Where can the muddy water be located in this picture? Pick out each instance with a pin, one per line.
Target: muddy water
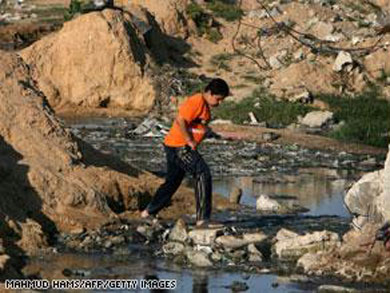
(313, 179)
(132, 267)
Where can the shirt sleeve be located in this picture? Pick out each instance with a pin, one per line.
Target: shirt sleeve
(191, 109)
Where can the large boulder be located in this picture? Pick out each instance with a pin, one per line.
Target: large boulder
(97, 60)
(291, 246)
(369, 198)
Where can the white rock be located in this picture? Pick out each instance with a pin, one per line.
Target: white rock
(317, 118)
(179, 232)
(355, 41)
(254, 254)
(221, 121)
(285, 234)
(264, 203)
(334, 38)
(199, 258)
(234, 242)
(275, 63)
(297, 246)
(253, 119)
(204, 236)
(303, 97)
(343, 58)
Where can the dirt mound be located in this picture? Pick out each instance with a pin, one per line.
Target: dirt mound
(47, 181)
(95, 61)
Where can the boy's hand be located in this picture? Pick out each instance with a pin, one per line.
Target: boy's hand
(192, 144)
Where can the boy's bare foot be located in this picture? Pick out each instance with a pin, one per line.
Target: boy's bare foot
(208, 224)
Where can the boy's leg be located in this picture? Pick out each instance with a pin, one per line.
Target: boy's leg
(191, 161)
(203, 191)
(174, 177)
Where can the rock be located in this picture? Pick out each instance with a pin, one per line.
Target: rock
(198, 258)
(113, 75)
(233, 242)
(235, 195)
(308, 261)
(343, 59)
(269, 136)
(335, 289)
(254, 254)
(312, 242)
(238, 286)
(253, 119)
(284, 234)
(334, 38)
(179, 232)
(299, 55)
(275, 62)
(321, 30)
(221, 121)
(355, 41)
(303, 97)
(317, 118)
(364, 199)
(173, 248)
(264, 203)
(204, 236)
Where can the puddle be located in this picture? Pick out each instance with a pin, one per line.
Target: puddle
(311, 189)
(106, 267)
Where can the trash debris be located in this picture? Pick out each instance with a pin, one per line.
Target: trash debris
(150, 127)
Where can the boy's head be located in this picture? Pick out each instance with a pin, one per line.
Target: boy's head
(216, 91)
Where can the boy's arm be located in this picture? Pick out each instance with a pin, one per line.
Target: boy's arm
(184, 130)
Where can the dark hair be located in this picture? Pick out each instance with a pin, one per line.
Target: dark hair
(218, 86)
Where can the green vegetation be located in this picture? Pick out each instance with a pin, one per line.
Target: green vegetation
(220, 61)
(74, 8)
(225, 9)
(265, 107)
(383, 78)
(204, 22)
(366, 118)
(214, 35)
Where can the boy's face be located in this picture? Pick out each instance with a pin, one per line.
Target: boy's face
(213, 100)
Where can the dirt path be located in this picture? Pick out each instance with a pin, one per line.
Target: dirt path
(293, 137)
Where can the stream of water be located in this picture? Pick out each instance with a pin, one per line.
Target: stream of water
(317, 187)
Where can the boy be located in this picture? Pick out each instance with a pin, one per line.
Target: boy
(187, 131)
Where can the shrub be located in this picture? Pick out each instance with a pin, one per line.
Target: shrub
(74, 8)
(225, 10)
(265, 107)
(367, 118)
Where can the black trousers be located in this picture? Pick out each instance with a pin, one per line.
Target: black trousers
(182, 160)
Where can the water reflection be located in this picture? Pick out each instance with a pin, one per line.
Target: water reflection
(320, 190)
